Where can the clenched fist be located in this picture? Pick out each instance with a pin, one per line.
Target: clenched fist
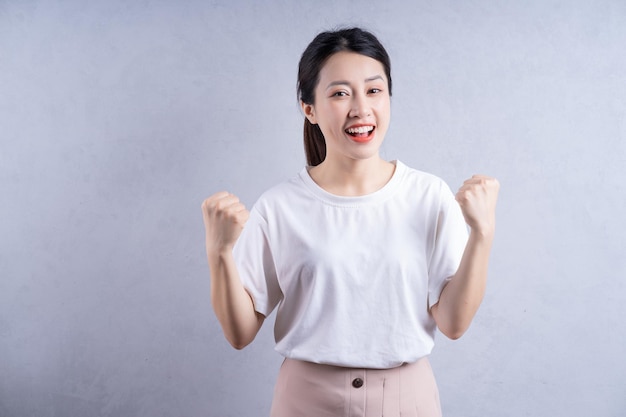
(224, 218)
(477, 198)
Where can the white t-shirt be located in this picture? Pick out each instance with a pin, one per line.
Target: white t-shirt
(353, 277)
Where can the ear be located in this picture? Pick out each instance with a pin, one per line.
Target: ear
(309, 112)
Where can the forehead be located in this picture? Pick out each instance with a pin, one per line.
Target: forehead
(350, 66)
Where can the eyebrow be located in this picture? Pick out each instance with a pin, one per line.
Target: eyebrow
(342, 82)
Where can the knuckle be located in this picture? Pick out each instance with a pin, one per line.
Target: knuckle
(210, 208)
(220, 205)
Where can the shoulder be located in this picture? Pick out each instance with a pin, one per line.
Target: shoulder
(416, 179)
(285, 193)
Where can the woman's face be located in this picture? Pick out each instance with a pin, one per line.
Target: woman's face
(352, 106)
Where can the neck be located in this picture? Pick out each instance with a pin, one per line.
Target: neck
(352, 177)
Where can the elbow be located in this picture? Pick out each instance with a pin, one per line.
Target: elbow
(239, 333)
(453, 329)
(239, 338)
(239, 346)
(238, 342)
(454, 334)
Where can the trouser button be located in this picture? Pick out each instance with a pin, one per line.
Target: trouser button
(357, 382)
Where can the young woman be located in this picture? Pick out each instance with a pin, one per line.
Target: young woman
(364, 258)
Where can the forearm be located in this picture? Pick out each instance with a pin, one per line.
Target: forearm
(462, 296)
(231, 302)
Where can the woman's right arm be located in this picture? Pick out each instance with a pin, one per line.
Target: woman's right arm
(224, 218)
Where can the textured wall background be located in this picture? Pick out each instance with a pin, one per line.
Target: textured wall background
(118, 118)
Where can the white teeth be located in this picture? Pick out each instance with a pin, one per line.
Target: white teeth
(362, 129)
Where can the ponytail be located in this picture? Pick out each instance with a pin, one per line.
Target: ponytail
(314, 144)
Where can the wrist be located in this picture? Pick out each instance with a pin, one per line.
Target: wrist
(483, 234)
(218, 255)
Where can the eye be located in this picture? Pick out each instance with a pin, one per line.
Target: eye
(375, 90)
(340, 94)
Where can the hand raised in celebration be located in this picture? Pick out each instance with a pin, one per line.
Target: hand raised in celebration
(477, 198)
(224, 218)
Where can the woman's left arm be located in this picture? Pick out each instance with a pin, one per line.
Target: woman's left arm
(462, 296)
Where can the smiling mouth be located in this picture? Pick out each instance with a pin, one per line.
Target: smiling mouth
(361, 133)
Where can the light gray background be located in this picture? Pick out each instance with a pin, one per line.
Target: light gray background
(118, 118)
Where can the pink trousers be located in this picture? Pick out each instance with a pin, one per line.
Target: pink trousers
(305, 389)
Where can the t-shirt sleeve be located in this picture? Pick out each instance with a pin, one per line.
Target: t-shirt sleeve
(255, 264)
(450, 239)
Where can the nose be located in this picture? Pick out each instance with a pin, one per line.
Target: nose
(360, 107)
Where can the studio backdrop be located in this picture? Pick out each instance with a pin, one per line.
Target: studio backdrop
(117, 119)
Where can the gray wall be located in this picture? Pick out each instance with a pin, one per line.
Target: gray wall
(118, 118)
